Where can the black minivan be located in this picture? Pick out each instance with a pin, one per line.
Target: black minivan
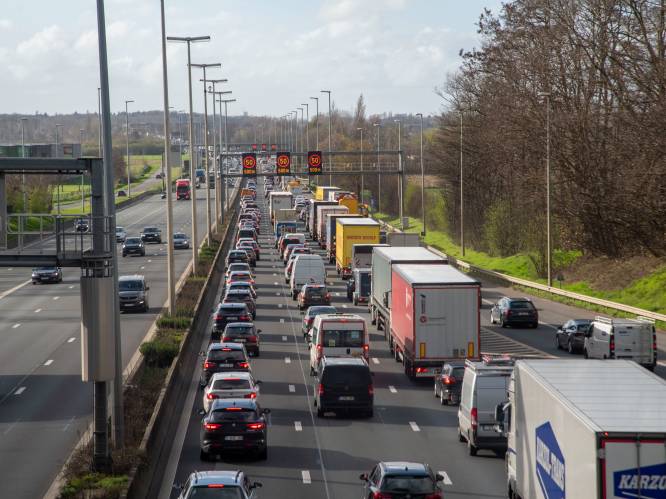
(344, 384)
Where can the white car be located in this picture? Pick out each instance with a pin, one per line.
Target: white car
(121, 235)
(230, 385)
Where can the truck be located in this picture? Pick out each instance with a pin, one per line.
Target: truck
(584, 428)
(352, 231)
(362, 255)
(321, 194)
(350, 201)
(183, 189)
(279, 200)
(284, 214)
(331, 233)
(402, 239)
(321, 221)
(313, 212)
(383, 259)
(284, 227)
(435, 317)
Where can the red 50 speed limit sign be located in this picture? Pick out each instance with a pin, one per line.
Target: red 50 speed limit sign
(314, 162)
(249, 164)
(283, 163)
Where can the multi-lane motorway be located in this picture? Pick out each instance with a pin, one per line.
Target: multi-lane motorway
(44, 405)
(312, 457)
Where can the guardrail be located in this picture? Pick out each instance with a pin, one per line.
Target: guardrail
(542, 287)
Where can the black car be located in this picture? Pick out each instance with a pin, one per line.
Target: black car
(234, 425)
(226, 313)
(344, 384)
(236, 256)
(398, 480)
(223, 357)
(46, 274)
(571, 335)
(514, 312)
(133, 246)
(241, 296)
(151, 235)
(251, 255)
(313, 312)
(313, 294)
(448, 382)
(245, 333)
(81, 225)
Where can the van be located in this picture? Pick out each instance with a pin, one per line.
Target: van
(306, 269)
(344, 384)
(629, 339)
(485, 385)
(338, 335)
(133, 293)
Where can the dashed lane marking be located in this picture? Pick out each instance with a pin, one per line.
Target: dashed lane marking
(56, 297)
(72, 339)
(414, 426)
(306, 477)
(143, 267)
(281, 321)
(445, 478)
(19, 391)
(279, 305)
(298, 426)
(17, 325)
(48, 362)
(38, 310)
(375, 360)
(292, 388)
(71, 287)
(392, 389)
(344, 306)
(287, 360)
(275, 284)
(284, 338)
(277, 294)
(337, 294)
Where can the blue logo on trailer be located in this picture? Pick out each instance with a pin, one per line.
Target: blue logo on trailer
(549, 463)
(648, 482)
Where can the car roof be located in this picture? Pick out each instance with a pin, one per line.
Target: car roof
(345, 361)
(204, 478)
(240, 324)
(220, 346)
(232, 304)
(316, 308)
(517, 299)
(232, 374)
(135, 277)
(404, 468)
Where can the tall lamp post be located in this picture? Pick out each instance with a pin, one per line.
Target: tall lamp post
(307, 125)
(129, 179)
(462, 199)
(195, 243)
(226, 149)
(330, 166)
(362, 176)
(379, 175)
(423, 213)
(216, 164)
(401, 174)
(83, 194)
(547, 95)
(23, 155)
(57, 155)
(316, 99)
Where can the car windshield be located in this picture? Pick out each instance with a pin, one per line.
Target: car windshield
(120, 229)
(522, 305)
(133, 240)
(239, 330)
(130, 285)
(343, 338)
(314, 311)
(231, 310)
(179, 235)
(236, 414)
(48, 269)
(315, 292)
(205, 492)
(150, 229)
(458, 372)
(232, 384)
(226, 355)
(411, 484)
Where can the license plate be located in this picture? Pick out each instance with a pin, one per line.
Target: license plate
(233, 437)
(522, 313)
(346, 398)
(487, 427)
(240, 340)
(226, 365)
(232, 318)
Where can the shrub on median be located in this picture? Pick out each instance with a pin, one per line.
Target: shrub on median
(159, 353)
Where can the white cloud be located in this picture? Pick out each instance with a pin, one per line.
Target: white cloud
(48, 40)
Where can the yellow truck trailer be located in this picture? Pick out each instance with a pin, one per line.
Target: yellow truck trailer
(321, 194)
(351, 231)
(351, 202)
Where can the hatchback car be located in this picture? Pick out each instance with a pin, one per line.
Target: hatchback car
(223, 357)
(402, 480)
(243, 285)
(288, 249)
(218, 485)
(234, 425)
(343, 384)
(313, 312)
(243, 266)
(81, 225)
(121, 235)
(255, 246)
(239, 276)
(514, 312)
(571, 335)
(46, 274)
(245, 333)
(448, 382)
(180, 241)
(151, 235)
(133, 246)
(313, 294)
(230, 385)
(251, 255)
(241, 296)
(228, 312)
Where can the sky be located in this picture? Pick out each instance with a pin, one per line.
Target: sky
(276, 54)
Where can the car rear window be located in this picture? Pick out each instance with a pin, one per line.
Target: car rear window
(343, 338)
(230, 355)
(226, 492)
(232, 384)
(524, 305)
(318, 292)
(234, 415)
(129, 285)
(239, 330)
(411, 484)
(346, 375)
(231, 310)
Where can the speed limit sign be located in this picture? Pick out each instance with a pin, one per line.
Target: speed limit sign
(314, 162)
(283, 163)
(249, 162)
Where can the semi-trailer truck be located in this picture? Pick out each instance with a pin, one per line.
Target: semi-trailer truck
(351, 231)
(313, 214)
(435, 317)
(183, 189)
(322, 192)
(321, 221)
(279, 200)
(331, 233)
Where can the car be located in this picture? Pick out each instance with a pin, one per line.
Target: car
(236, 256)
(226, 313)
(158, 175)
(313, 312)
(230, 385)
(251, 255)
(239, 276)
(133, 246)
(313, 294)
(571, 335)
(514, 312)
(243, 332)
(202, 484)
(133, 293)
(255, 245)
(402, 479)
(243, 285)
(46, 274)
(448, 382)
(343, 384)
(163, 195)
(121, 194)
(234, 425)
(81, 225)
(121, 235)
(151, 235)
(241, 296)
(238, 267)
(223, 357)
(180, 241)
(252, 245)
(243, 233)
(287, 251)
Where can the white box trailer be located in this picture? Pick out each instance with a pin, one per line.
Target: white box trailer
(279, 200)
(321, 220)
(383, 258)
(402, 239)
(585, 429)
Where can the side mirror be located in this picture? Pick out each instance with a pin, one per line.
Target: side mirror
(363, 476)
(147, 288)
(258, 382)
(256, 485)
(202, 354)
(258, 330)
(177, 486)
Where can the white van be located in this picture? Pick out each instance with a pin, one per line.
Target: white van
(485, 385)
(338, 335)
(630, 339)
(306, 269)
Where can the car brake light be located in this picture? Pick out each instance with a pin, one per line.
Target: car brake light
(320, 389)
(251, 395)
(234, 409)
(244, 317)
(366, 351)
(251, 339)
(319, 352)
(448, 380)
(218, 317)
(475, 421)
(371, 390)
(508, 313)
(420, 370)
(227, 349)
(212, 426)
(211, 396)
(226, 338)
(256, 426)
(381, 495)
(244, 365)
(215, 485)
(209, 365)
(436, 495)
(612, 347)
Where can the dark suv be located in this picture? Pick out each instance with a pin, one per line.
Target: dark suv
(223, 357)
(313, 294)
(133, 246)
(448, 382)
(514, 312)
(241, 296)
(344, 384)
(245, 333)
(226, 313)
(402, 479)
(151, 235)
(133, 292)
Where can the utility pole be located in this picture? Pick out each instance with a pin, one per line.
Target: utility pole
(462, 200)
(195, 242)
(423, 213)
(362, 176)
(316, 99)
(99, 114)
(83, 194)
(379, 175)
(216, 166)
(330, 165)
(57, 155)
(129, 179)
(548, 232)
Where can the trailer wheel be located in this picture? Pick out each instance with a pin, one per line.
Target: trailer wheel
(461, 438)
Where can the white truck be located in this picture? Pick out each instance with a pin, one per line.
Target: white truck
(362, 255)
(383, 259)
(629, 339)
(279, 200)
(584, 429)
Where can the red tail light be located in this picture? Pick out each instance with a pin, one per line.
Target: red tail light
(366, 351)
(226, 338)
(508, 313)
(319, 352)
(448, 380)
(212, 426)
(381, 495)
(209, 365)
(320, 389)
(436, 495)
(244, 365)
(612, 347)
(218, 317)
(251, 396)
(244, 318)
(251, 339)
(256, 426)
(475, 420)
(421, 370)
(371, 390)
(211, 396)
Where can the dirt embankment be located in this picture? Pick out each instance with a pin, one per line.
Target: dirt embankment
(607, 274)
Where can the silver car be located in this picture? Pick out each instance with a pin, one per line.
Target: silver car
(121, 235)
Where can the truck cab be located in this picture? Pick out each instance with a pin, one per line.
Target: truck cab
(630, 339)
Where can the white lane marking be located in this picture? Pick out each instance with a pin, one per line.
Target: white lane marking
(414, 426)
(281, 321)
(375, 360)
(71, 287)
(10, 269)
(150, 261)
(337, 294)
(48, 362)
(143, 267)
(306, 477)
(292, 389)
(274, 273)
(284, 338)
(38, 310)
(17, 325)
(344, 306)
(287, 360)
(392, 389)
(487, 302)
(277, 294)
(11, 426)
(275, 284)
(548, 325)
(15, 288)
(446, 480)
(56, 297)
(19, 391)
(279, 305)
(72, 339)
(298, 426)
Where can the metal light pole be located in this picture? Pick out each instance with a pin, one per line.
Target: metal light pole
(307, 126)
(379, 175)
(195, 242)
(362, 176)
(302, 130)
(462, 211)
(226, 158)
(129, 179)
(316, 99)
(99, 114)
(57, 155)
(548, 232)
(330, 166)
(400, 178)
(423, 213)
(216, 165)
(83, 194)
(23, 179)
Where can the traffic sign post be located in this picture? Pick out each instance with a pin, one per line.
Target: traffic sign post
(283, 163)
(263, 147)
(254, 147)
(249, 164)
(314, 162)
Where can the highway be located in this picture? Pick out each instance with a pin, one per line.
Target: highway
(44, 405)
(312, 457)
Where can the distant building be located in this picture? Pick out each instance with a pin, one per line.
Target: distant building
(66, 150)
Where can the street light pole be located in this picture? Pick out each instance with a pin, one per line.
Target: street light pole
(83, 194)
(330, 166)
(23, 179)
(129, 179)
(216, 164)
(195, 243)
(379, 175)
(57, 155)
(548, 229)
(99, 113)
(423, 213)
(362, 176)
(226, 158)
(316, 99)
(462, 211)
(400, 178)
(307, 126)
